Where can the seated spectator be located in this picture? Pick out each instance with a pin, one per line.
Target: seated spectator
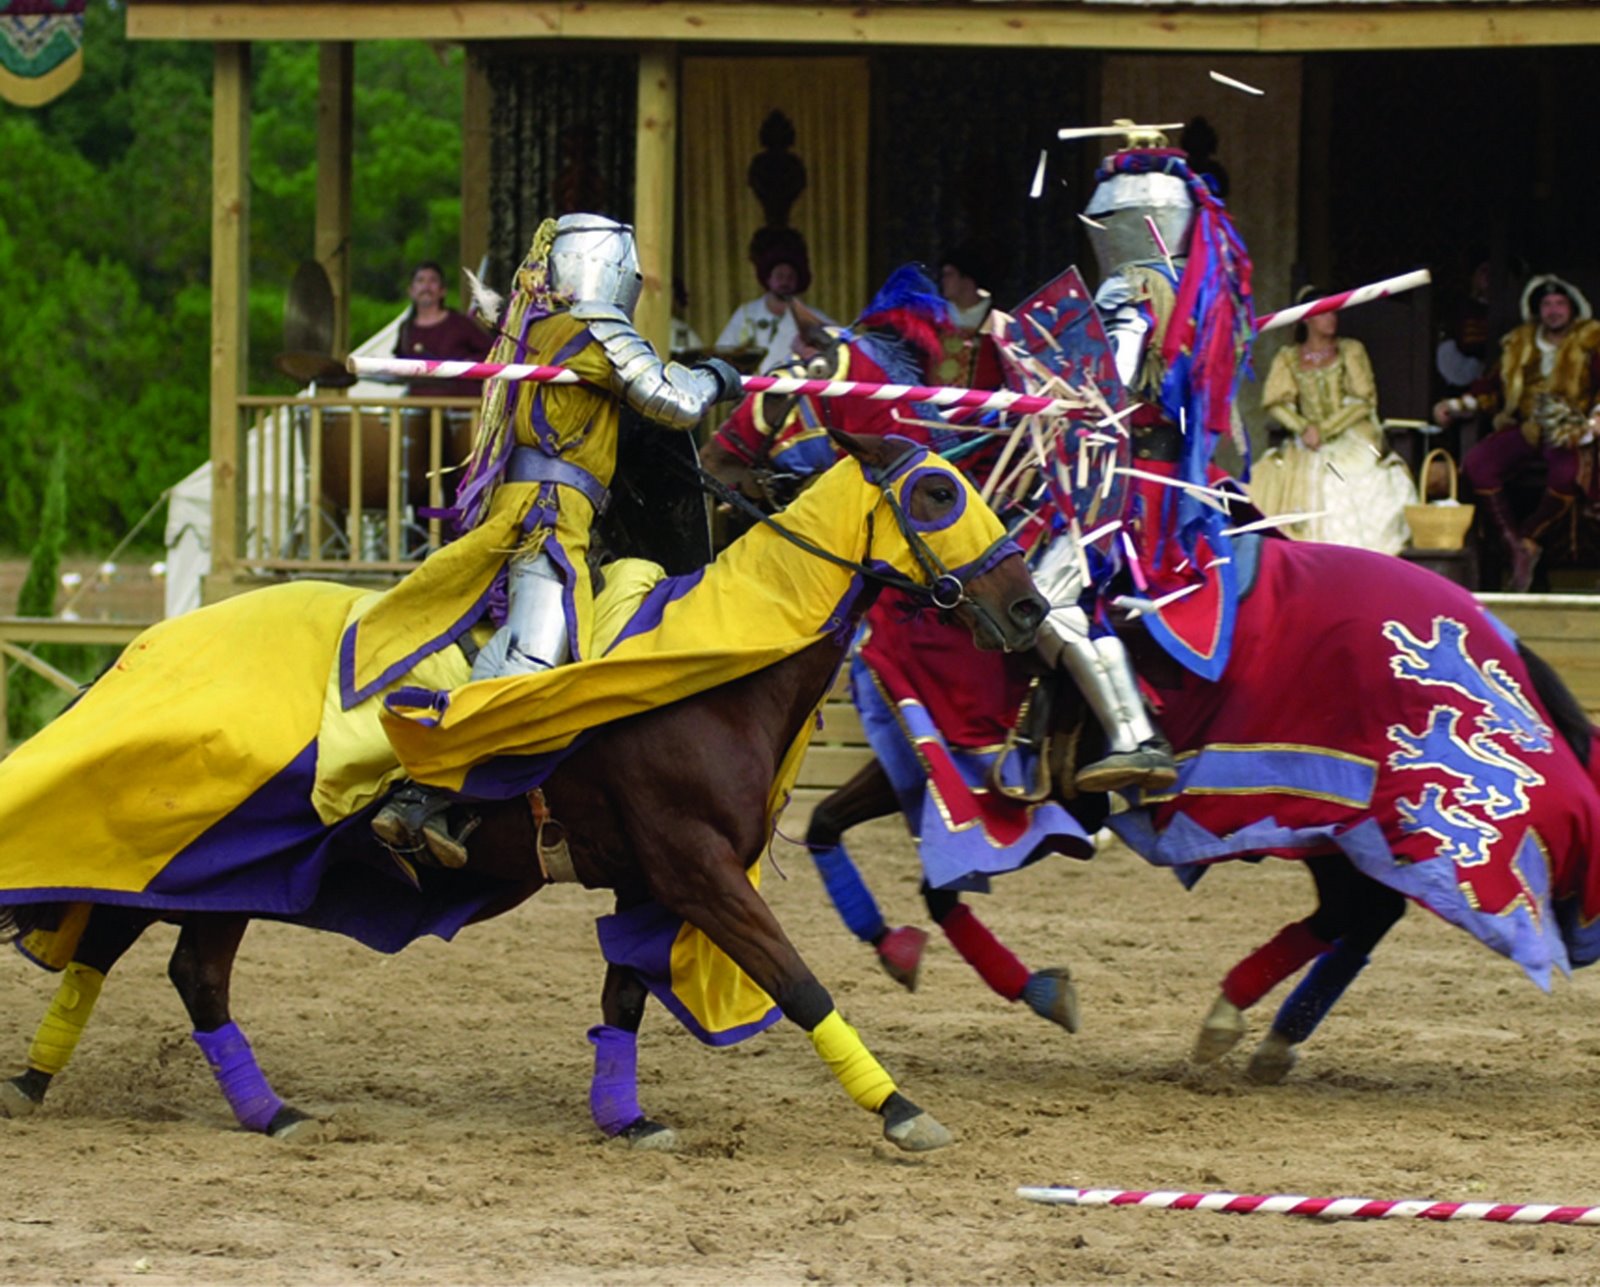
(1544, 395)
(783, 268)
(1462, 355)
(430, 330)
(1335, 460)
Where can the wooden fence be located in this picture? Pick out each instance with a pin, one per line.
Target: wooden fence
(19, 635)
(335, 485)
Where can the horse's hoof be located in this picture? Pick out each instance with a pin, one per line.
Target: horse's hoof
(907, 1127)
(900, 954)
(294, 1127)
(1220, 1032)
(649, 1136)
(1051, 995)
(1272, 1060)
(920, 1134)
(15, 1101)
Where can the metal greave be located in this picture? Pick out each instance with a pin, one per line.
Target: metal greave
(534, 636)
(1099, 667)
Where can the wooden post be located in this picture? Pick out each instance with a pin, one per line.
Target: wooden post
(475, 103)
(230, 292)
(654, 192)
(335, 107)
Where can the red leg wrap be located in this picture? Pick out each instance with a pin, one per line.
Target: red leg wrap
(1270, 964)
(995, 963)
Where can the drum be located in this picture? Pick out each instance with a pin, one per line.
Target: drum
(415, 422)
(455, 445)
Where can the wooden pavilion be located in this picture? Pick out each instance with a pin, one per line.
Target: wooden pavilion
(1390, 135)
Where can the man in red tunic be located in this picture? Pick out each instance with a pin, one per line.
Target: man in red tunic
(430, 330)
(1545, 397)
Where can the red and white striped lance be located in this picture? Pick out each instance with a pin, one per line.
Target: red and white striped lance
(946, 396)
(1327, 1208)
(1344, 299)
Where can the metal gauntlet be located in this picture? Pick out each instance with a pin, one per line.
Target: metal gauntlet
(667, 393)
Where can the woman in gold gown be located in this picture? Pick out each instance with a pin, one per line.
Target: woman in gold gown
(1335, 463)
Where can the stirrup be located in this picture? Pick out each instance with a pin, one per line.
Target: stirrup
(1149, 766)
(414, 821)
(1030, 732)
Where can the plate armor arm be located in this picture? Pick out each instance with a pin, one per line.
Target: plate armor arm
(666, 393)
(1127, 327)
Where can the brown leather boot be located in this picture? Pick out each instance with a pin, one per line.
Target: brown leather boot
(1523, 553)
(1553, 508)
(414, 820)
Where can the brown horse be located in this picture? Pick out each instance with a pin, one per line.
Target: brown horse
(669, 806)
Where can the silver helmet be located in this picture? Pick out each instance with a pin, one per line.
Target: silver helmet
(1120, 204)
(596, 260)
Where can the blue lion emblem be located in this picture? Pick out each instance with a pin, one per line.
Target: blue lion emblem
(1493, 779)
(1463, 839)
(1444, 660)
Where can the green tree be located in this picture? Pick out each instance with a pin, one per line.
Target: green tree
(105, 243)
(29, 697)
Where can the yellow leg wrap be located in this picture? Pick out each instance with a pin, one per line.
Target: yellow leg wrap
(852, 1063)
(63, 1022)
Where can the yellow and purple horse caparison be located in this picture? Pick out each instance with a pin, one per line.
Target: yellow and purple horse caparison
(214, 766)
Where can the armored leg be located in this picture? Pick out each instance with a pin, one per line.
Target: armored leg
(1139, 756)
(534, 636)
(416, 818)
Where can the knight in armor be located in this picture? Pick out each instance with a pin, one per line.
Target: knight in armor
(537, 479)
(1136, 298)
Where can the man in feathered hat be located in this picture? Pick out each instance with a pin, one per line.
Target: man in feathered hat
(1545, 398)
(783, 269)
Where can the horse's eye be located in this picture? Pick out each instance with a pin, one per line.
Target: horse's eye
(820, 367)
(943, 495)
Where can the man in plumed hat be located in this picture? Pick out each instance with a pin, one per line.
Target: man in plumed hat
(783, 269)
(1544, 395)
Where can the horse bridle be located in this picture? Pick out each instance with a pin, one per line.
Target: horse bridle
(944, 590)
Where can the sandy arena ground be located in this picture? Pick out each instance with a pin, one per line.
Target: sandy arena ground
(454, 1080)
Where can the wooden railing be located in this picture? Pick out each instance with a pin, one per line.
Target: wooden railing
(335, 485)
(19, 634)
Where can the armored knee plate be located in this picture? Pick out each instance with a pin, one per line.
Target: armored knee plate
(534, 636)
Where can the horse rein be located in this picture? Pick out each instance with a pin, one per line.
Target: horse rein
(944, 590)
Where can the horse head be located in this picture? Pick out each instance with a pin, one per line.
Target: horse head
(948, 541)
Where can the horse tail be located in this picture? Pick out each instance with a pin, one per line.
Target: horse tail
(1564, 709)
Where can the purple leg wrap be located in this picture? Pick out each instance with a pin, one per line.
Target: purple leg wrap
(614, 1092)
(243, 1083)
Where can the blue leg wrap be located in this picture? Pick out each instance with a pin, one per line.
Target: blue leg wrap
(857, 908)
(1313, 997)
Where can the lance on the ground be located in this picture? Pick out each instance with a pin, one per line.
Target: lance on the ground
(1326, 1208)
(945, 396)
(1344, 299)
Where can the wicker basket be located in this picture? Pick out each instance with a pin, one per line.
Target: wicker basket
(1438, 526)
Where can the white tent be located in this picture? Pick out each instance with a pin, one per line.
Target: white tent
(188, 535)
